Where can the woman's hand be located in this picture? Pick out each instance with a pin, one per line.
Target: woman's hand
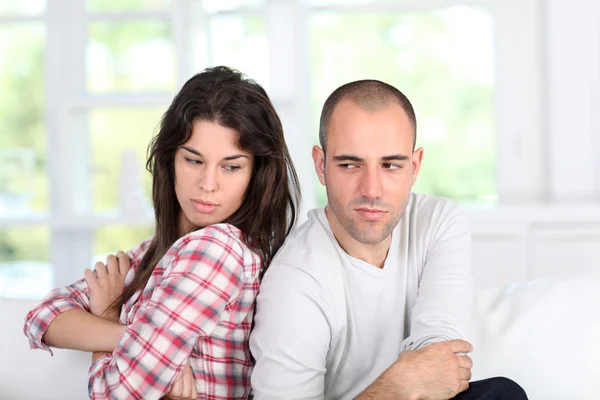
(106, 284)
(184, 387)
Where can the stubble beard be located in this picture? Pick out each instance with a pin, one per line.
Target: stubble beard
(350, 225)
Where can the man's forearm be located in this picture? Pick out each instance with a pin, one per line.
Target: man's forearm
(386, 387)
(383, 390)
(79, 330)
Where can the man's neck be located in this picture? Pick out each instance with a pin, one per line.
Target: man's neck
(374, 254)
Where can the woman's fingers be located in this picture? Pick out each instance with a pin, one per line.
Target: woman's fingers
(100, 269)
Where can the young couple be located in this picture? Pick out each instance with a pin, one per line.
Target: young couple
(370, 298)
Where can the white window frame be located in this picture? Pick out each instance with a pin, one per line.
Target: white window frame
(529, 128)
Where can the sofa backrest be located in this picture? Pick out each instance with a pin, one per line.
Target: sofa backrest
(35, 374)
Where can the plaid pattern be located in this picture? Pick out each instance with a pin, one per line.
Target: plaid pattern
(197, 305)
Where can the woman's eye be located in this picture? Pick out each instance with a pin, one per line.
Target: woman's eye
(193, 161)
(232, 167)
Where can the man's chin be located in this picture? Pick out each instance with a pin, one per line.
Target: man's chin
(367, 235)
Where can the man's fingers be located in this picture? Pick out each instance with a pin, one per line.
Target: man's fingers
(460, 346)
(465, 362)
(465, 374)
(100, 269)
(123, 262)
(464, 385)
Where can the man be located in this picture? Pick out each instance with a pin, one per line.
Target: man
(370, 298)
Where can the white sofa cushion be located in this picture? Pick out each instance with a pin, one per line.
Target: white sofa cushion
(545, 335)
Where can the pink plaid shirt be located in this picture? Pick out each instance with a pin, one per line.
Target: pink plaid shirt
(197, 305)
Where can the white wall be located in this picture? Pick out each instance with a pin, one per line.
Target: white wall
(558, 234)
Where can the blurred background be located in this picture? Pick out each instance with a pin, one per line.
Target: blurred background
(506, 92)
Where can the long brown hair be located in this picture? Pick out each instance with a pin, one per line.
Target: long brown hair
(269, 209)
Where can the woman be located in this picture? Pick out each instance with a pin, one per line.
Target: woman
(225, 196)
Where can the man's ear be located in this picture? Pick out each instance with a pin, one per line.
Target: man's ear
(417, 158)
(318, 156)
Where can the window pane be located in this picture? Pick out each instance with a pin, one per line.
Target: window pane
(119, 139)
(222, 5)
(110, 239)
(443, 61)
(348, 2)
(9, 7)
(23, 182)
(130, 56)
(25, 271)
(123, 5)
(241, 43)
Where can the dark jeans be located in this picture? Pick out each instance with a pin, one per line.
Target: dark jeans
(493, 389)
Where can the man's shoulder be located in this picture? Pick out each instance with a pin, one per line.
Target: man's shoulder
(426, 207)
(429, 216)
(427, 203)
(309, 246)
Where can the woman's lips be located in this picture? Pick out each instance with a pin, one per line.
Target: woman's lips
(204, 207)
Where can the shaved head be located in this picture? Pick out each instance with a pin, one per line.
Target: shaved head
(370, 95)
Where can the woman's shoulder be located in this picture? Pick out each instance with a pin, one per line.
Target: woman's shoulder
(222, 236)
(222, 231)
(222, 243)
(137, 253)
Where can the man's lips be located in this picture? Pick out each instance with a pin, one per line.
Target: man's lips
(370, 213)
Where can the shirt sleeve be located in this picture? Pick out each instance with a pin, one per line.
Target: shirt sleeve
(65, 298)
(291, 336)
(186, 304)
(445, 296)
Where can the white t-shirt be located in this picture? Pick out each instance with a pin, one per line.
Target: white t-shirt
(327, 325)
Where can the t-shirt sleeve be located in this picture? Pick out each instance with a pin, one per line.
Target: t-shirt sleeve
(445, 296)
(291, 336)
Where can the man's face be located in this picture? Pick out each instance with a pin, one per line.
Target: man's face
(369, 168)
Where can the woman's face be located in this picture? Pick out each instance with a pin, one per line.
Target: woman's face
(211, 175)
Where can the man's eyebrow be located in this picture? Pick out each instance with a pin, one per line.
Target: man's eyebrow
(348, 157)
(395, 157)
(391, 157)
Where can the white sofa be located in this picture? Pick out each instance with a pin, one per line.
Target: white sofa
(544, 335)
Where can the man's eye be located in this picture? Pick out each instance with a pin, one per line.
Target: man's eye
(391, 166)
(348, 166)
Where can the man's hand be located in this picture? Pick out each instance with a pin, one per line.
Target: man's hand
(434, 372)
(184, 387)
(106, 284)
